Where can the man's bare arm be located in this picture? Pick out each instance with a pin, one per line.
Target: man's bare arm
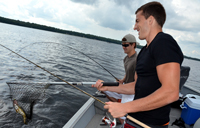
(169, 76)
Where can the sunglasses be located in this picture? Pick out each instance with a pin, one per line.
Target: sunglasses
(125, 45)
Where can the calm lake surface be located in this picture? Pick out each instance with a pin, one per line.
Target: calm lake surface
(51, 51)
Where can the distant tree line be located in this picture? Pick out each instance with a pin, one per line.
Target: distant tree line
(191, 58)
(52, 29)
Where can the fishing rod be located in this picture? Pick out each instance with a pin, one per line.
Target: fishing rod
(79, 52)
(129, 117)
(52, 74)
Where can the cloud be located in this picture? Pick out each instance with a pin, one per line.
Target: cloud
(129, 4)
(108, 18)
(109, 15)
(183, 15)
(191, 50)
(195, 52)
(42, 10)
(89, 2)
(57, 13)
(117, 14)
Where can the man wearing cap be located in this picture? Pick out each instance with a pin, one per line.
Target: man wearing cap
(129, 45)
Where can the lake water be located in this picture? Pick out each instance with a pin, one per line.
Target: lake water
(51, 51)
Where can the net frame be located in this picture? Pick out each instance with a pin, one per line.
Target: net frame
(26, 94)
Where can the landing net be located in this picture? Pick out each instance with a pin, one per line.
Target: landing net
(27, 94)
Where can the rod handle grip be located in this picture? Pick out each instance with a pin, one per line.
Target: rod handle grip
(110, 83)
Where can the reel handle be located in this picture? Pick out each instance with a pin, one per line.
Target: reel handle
(110, 83)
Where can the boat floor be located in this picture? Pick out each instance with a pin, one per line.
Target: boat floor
(96, 121)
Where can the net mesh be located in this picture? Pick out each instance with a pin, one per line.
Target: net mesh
(27, 94)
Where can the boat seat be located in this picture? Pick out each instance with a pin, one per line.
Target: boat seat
(184, 75)
(197, 124)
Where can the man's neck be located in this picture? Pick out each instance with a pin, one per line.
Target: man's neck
(131, 53)
(152, 35)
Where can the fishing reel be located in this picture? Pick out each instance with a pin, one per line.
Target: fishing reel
(109, 122)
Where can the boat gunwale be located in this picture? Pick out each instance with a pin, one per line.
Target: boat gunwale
(79, 114)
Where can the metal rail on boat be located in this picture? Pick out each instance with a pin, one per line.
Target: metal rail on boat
(192, 88)
(83, 116)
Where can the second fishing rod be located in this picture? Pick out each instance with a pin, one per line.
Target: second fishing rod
(74, 50)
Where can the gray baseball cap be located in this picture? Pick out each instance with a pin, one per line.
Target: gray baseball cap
(129, 38)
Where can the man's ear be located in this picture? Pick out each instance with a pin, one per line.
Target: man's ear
(150, 20)
(134, 45)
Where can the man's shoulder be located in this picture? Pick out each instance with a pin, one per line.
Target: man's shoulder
(164, 36)
(163, 39)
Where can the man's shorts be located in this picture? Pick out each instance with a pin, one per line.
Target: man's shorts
(124, 98)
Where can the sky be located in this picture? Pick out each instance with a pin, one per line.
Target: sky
(109, 18)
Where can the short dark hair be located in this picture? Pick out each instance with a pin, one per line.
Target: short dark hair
(154, 9)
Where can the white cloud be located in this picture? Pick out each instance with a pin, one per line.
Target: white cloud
(111, 19)
(188, 41)
(188, 11)
(195, 52)
(183, 35)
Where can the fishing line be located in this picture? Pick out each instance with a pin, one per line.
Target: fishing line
(77, 51)
(129, 117)
(53, 74)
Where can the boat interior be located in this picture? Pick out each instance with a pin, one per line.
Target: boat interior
(91, 113)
